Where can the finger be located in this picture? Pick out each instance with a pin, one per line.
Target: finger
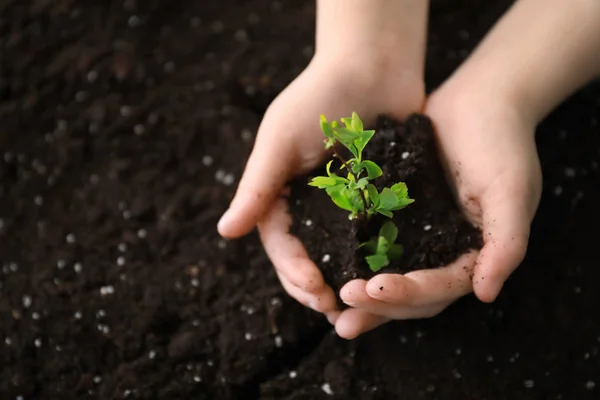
(263, 178)
(425, 287)
(286, 252)
(506, 226)
(353, 322)
(354, 293)
(299, 275)
(322, 304)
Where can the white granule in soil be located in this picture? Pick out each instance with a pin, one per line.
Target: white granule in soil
(529, 384)
(293, 374)
(427, 228)
(139, 129)
(207, 161)
(219, 175)
(26, 301)
(278, 341)
(275, 301)
(405, 155)
(326, 258)
(125, 111)
(326, 387)
(558, 190)
(570, 172)
(246, 135)
(106, 290)
(228, 179)
(308, 222)
(589, 385)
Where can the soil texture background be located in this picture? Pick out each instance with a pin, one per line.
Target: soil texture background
(124, 128)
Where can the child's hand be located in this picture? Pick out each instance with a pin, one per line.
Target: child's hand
(290, 143)
(490, 155)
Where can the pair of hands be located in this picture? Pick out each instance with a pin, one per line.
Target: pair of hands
(486, 145)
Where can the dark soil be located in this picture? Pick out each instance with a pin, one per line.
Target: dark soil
(432, 229)
(124, 126)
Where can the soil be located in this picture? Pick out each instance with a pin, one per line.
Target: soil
(124, 127)
(432, 230)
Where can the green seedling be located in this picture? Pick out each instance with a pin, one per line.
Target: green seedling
(355, 192)
(383, 248)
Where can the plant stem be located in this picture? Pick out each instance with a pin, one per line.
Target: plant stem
(362, 195)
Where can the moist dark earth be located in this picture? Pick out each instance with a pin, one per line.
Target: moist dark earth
(124, 128)
(432, 230)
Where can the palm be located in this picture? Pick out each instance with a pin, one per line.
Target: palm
(492, 165)
(292, 122)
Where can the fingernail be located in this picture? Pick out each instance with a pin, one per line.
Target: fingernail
(224, 221)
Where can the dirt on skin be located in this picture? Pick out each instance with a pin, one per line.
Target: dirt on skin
(432, 230)
(124, 128)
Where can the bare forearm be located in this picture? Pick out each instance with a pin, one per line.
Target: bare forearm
(389, 29)
(539, 53)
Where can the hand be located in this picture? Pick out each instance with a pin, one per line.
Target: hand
(289, 143)
(489, 152)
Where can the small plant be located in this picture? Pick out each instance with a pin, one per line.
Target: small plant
(382, 248)
(355, 193)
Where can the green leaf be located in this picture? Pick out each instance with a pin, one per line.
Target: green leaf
(402, 203)
(387, 199)
(328, 168)
(363, 139)
(356, 200)
(373, 170)
(347, 137)
(362, 183)
(395, 252)
(400, 189)
(373, 194)
(389, 231)
(326, 127)
(357, 124)
(348, 122)
(356, 167)
(385, 212)
(370, 246)
(338, 179)
(382, 245)
(323, 182)
(377, 261)
(339, 195)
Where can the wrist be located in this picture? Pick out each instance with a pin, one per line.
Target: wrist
(535, 63)
(383, 35)
(467, 96)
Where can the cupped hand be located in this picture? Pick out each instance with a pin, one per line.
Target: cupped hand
(488, 149)
(289, 143)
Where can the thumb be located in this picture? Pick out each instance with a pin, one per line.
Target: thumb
(263, 179)
(506, 227)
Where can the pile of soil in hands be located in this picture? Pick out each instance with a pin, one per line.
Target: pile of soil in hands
(432, 230)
